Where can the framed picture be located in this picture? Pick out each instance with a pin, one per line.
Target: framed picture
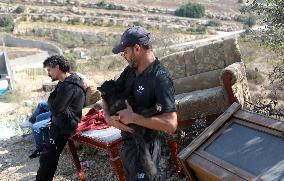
(239, 145)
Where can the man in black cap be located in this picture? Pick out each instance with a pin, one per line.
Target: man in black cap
(150, 84)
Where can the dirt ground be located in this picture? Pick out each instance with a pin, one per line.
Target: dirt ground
(259, 83)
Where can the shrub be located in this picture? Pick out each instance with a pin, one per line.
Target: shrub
(6, 22)
(23, 18)
(214, 22)
(20, 9)
(191, 10)
(240, 18)
(139, 23)
(72, 59)
(250, 21)
(75, 21)
(197, 30)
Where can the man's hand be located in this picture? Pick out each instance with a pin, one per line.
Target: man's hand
(115, 120)
(126, 115)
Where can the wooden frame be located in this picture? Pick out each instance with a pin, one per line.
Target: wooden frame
(199, 164)
(111, 148)
(175, 149)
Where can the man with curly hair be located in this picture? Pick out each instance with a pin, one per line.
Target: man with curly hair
(65, 104)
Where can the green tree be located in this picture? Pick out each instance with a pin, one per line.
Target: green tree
(191, 10)
(20, 9)
(7, 22)
(271, 12)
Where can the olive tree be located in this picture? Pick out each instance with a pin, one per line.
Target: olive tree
(271, 12)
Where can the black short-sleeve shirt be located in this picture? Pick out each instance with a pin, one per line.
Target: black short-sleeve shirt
(153, 86)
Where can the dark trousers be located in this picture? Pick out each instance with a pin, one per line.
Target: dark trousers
(49, 157)
(135, 160)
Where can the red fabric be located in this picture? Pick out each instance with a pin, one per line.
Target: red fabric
(94, 119)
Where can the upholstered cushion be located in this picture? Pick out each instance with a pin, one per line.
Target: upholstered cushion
(208, 57)
(197, 82)
(239, 81)
(232, 52)
(237, 71)
(105, 135)
(206, 102)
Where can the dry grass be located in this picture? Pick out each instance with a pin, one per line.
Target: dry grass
(61, 26)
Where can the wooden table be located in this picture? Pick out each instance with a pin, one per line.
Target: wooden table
(108, 140)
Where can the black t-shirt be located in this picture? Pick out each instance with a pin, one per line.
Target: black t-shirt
(153, 86)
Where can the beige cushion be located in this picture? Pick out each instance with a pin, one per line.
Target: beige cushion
(92, 95)
(197, 82)
(193, 104)
(231, 51)
(208, 57)
(175, 64)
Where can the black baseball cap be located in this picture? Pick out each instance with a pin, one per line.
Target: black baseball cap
(133, 35)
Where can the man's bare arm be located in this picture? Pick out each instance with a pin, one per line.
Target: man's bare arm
(166, 122)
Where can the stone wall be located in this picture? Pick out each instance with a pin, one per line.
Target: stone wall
(12, 41)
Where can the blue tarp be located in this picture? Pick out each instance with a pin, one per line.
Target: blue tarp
(4, 86)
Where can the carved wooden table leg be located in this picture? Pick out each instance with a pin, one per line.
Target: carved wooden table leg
(174, 151)
(76, 160)
(116, 160)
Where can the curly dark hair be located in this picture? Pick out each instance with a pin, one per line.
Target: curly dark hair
(52, 61)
